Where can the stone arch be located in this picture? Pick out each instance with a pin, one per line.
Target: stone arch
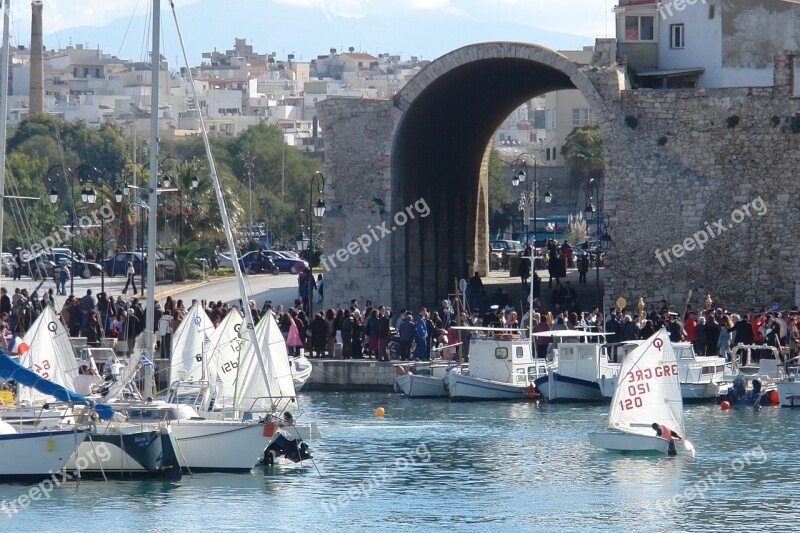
(448, 114)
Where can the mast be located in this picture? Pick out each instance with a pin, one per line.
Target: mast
(3, 118)
(152, 219)
(237, 270)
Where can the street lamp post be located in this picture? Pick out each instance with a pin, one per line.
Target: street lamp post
(314, 210)
(595, 213)
(530, 197)
(186, 173)
(89, 176)
(249, 161)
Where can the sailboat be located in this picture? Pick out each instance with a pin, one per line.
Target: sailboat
(212, 444)
(130, 449)
(648, 392)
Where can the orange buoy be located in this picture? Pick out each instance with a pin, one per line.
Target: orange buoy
(725, 405)
(379, 412)
(774, 399)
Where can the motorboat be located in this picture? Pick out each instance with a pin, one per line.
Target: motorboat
(424, 380)
(701, 376)
(501, 367)
(580, 371)
(648, 392)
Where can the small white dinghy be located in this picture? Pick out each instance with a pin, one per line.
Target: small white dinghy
(648, 392)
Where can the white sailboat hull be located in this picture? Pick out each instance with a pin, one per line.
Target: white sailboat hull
(462, 387)
(31, 456)
(301, 371)
(416, 386)
(628, 442)
(219, 446)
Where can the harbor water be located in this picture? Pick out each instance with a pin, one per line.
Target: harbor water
(432, 464)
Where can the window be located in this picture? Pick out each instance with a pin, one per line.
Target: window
(580, 116)
(501, 353)
(639, 28)
(676, 36)
(547, 153)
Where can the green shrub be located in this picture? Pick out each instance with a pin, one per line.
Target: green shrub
(632, 122)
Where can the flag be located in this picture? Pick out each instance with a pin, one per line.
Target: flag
(148, 363)
(141, 203)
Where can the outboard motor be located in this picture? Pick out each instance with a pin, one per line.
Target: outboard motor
(283, 445)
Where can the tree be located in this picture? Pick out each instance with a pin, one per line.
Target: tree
(502, 205)
(583, 152)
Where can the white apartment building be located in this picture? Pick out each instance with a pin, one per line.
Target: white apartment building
(705, 43)
(564, 110)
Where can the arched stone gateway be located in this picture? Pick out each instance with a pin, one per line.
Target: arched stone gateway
(407, 177)
(700, 189)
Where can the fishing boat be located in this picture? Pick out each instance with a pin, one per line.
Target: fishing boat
(580, 372)
(788, 389)
(701, 376)
(501, 367)
(424, 380)
(648, 392)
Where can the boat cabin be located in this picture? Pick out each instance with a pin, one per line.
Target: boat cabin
(586, 361)
(504, 358)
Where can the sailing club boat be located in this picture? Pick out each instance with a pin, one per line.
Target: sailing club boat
(211, 444)
(648, 392)
(130, 449)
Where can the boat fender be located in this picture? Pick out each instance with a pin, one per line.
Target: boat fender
(532, 391)
(399, 370)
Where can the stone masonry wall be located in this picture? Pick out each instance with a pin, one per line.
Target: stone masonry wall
(710, 176)
(358, 137)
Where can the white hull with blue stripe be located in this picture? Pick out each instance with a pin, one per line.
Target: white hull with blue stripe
(558, 388)
(464, 387)
(36, 455)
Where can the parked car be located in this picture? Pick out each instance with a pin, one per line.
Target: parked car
(287, 262)
(284, 264)
(118, 264)
(8, 264)
(80, 267)
(37, 266)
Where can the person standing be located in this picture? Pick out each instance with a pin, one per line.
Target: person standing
(725, 337)
(583, 268)
(17, 264)
(384, 332)
(130, 274)
(347, 334)
(63, 278)
(421, 350)
(712, 336)
(407, 332)
(358, 335)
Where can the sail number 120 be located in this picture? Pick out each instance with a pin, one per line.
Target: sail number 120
(635, 400)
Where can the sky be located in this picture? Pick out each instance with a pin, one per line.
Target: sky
(426, 28)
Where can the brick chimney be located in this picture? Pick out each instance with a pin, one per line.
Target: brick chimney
(36, 104)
